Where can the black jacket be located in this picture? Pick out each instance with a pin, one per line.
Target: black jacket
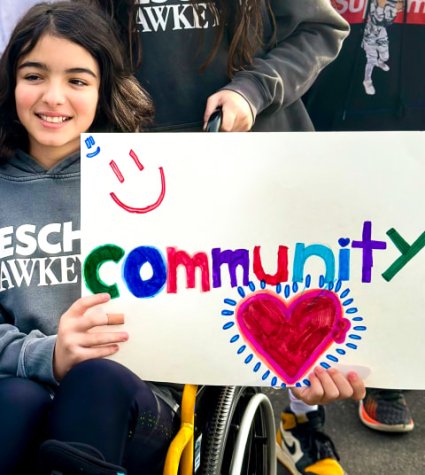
(394, 38)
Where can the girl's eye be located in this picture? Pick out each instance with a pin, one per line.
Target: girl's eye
(32, 77)
(78, 82)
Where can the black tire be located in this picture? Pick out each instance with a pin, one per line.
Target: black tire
(221, 432)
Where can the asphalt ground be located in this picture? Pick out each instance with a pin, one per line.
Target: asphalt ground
(364, 451)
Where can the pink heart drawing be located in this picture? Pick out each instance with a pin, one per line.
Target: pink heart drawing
(291, 336)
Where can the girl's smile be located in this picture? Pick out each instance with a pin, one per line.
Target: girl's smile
(53, 119)
(57, 91)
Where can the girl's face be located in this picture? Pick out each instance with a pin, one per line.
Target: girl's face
(56, 94)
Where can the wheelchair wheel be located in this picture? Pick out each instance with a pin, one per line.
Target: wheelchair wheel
(239, 438)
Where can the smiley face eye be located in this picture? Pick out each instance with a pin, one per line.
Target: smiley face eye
(136, 160)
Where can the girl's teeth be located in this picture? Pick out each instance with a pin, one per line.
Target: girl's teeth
(55, 120)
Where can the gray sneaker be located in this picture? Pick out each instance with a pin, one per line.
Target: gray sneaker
(386, 410)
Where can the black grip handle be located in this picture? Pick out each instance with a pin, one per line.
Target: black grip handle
(214, 122)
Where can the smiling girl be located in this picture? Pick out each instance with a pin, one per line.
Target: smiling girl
(62, 74)
(57, 91)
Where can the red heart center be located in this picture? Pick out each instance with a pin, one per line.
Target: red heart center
(290, 337)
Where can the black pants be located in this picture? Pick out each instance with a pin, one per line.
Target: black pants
(99, 403)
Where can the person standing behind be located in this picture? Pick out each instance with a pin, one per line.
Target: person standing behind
(254, 59)
(344, 98)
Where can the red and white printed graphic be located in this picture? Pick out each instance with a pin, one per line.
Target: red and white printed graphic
(354, 11)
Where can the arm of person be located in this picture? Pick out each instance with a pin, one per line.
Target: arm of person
(26, 355)
(48, 358)
(308, 37)
(331, 385)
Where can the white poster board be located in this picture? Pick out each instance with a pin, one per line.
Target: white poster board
(247, 259)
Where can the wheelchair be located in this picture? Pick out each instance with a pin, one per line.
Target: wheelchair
(224, 431)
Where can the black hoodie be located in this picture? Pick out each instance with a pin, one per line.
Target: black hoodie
(377, 81)
(176, 41)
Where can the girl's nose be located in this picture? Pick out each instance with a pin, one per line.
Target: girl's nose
(53, 94)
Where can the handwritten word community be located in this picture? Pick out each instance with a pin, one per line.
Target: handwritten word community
(164, 268)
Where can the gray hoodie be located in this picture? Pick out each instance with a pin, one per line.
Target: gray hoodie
(39, 261)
